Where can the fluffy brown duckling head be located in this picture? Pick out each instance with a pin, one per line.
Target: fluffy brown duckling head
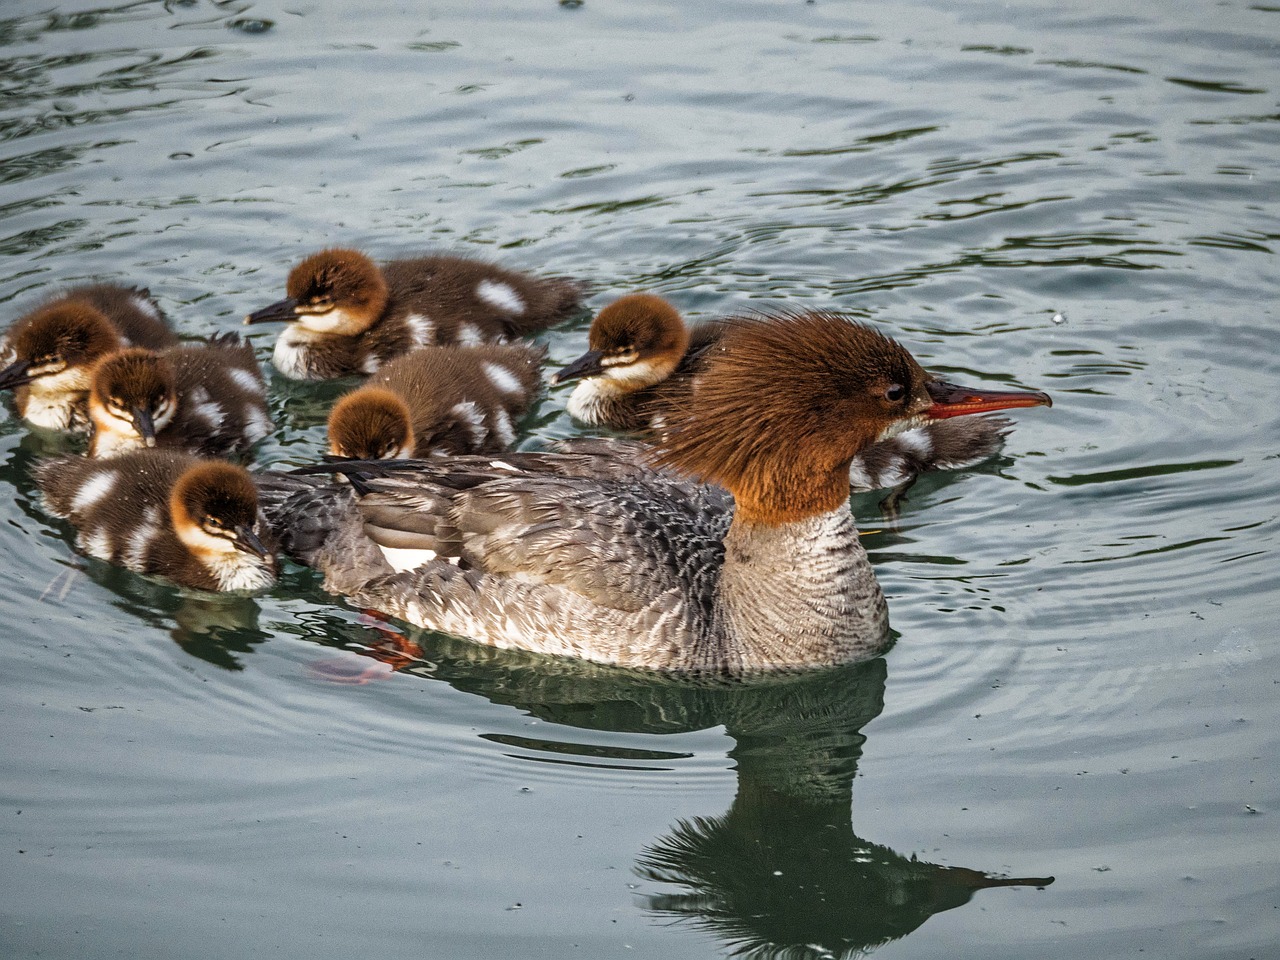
(59, 342)
(371, 423)
(636, 341)
(336, 291)
(132, 396)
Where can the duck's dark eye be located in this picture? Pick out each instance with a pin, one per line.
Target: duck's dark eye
(895, 393)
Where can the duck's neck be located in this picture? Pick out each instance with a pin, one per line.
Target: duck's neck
(800, 593)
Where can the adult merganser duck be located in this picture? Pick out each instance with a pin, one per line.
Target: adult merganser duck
(439, 400)
(207, 398)
(735, 551)
(642, 363)
(349, 315)
(51, 351)
(163, 512)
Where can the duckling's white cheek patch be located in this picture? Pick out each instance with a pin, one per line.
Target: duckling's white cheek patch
(336, 320)
(634, 373)
(94, 490)
(501, 295)
(164, 416)
(503, 380)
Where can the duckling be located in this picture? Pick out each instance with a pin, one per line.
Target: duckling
(643, 363)
(54, 350)
(733, 550)
(209, 398)
(348, 315)
(163, 512)
(438, 400)
(133, 312)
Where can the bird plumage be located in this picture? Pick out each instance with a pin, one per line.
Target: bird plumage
(163, 512)
(439, 400)
(348, 315)
(207, 398)
(729, 547)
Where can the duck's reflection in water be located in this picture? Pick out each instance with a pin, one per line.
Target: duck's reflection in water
(782, 873)
(218, 628)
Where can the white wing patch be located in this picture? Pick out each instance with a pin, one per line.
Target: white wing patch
(256, 424)
(859, 478)
(502, 427)
(917, 441)
(146, 306)
(501, 295)
(248, 380)
(96, 544)
(421, 330)
(403, 558)
(204, 407)
(502, 379)
(139, 542)
(469, 334)
(473, 417)
(94, 489)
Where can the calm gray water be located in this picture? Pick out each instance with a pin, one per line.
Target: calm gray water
(1077, 196)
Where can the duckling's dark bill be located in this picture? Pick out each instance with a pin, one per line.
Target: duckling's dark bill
(17, 374)
(953, 400)
(285, 309)
(246, 540)
(145, 425)
(587, 365)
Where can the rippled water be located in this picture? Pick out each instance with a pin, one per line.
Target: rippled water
(1073, 196)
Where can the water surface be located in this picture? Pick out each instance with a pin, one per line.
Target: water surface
(1071, 196)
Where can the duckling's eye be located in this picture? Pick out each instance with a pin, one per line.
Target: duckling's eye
(895, 393)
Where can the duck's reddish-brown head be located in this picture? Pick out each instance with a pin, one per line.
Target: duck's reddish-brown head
(785, 402)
